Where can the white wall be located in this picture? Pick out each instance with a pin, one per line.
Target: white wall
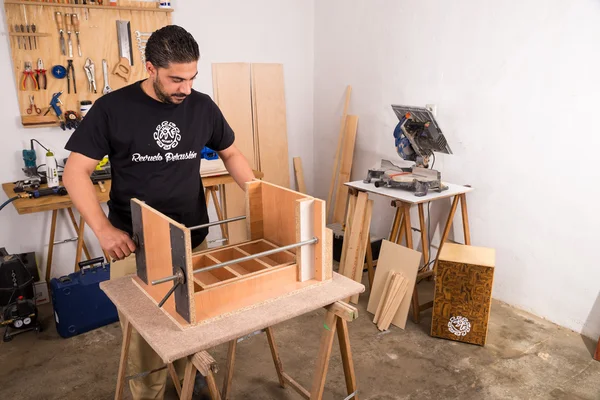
(227, 31)
(510, 79)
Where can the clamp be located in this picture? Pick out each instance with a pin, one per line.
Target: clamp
(41, 74)
(28, 72)
(71, 73)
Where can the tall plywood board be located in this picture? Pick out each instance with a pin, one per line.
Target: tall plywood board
(270, 122)
(232, 93)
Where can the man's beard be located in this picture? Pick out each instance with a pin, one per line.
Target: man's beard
(163, 96)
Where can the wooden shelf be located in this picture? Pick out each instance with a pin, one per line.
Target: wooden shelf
(91, 7)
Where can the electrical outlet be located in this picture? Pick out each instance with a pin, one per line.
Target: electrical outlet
(432, 108)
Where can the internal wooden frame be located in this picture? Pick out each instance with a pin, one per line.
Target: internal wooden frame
(275, 217)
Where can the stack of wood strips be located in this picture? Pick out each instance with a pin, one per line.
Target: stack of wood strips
(356, 238)
(394, 291)
(252, 99)
(342, 167)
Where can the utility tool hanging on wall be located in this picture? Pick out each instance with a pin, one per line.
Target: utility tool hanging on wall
(123, 67)
(59, 24)
(75, 20)
(90, 72)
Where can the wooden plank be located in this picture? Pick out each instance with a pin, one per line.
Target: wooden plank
(343, 310)
(394, 257)
(337, 152)
(395, 301)
(181, 247)
(366, 241)
(347, 230)
(299, 171)
(232, 93)
(345, 168)
(384, 296)
(323, 261)
(270, 122)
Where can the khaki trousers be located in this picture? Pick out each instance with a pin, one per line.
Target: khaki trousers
(141, 356)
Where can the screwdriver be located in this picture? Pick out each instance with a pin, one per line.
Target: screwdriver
(59, 23)
(75, 20)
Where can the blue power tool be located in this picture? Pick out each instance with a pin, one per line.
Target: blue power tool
(209, 154)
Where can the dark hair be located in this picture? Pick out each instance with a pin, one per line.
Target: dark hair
(171, 44)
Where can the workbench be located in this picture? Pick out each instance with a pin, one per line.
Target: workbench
(401, 226)
(172, 343)
(55, 203)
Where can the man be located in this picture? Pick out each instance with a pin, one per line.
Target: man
(153, 132)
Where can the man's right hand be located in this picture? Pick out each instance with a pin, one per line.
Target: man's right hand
(117, 243)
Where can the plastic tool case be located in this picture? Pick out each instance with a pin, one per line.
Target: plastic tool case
(79, 303)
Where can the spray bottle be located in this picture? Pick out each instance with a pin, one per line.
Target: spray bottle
(51, 169)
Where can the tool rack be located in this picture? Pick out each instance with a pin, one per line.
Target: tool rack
(289, 250)
(98, 38)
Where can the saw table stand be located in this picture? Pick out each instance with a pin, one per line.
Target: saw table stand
(401, 227)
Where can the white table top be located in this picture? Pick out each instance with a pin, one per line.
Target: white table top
(409, 196)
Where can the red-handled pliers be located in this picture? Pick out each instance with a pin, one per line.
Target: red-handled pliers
(29, 72)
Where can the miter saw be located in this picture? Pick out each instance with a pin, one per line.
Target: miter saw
(417, 136)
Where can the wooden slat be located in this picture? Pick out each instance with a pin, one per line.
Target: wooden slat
(343, 310)
(337, 152)
(270, 122)
(365, 241)
(232, 93)
(345, 168)
(300, 185)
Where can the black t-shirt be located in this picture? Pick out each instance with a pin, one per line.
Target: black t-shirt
(154, 150)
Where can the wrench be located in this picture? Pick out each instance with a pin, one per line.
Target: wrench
(140, 40)
(107, 88)
(140, 34)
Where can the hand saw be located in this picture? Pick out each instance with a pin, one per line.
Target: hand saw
(123, 69)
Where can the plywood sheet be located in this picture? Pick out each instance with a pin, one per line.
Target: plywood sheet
(279, 214)
(394, 257)
(232, 93)
(271, 122)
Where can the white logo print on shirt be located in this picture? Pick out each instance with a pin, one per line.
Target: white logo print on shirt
(167, 135)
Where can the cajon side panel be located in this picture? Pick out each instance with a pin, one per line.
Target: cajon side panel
(243, 293)
(254, 210)
(279, 214)
(138, 233)
(181, 250)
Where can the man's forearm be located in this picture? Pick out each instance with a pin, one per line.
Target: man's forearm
(83, 195)
(238, 168)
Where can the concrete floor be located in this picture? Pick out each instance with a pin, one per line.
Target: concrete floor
(525, 358)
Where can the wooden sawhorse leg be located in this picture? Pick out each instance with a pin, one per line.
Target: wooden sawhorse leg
(201, 362)
(465, 220)
(337, 318)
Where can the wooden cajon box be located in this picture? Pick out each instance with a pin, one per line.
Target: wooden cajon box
(463, 293)
(275, 217)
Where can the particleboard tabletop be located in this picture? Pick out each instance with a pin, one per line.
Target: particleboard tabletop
(171, 343)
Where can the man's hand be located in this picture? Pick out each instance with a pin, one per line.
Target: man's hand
(117, 243)
(237, 165)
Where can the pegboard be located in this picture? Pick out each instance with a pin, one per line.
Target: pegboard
(98, 39)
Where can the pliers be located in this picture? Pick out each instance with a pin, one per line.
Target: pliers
(71, 71)
(90, 71)
(29, 72)
(41, 74)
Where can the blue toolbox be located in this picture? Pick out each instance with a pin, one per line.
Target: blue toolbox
(79, 303)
